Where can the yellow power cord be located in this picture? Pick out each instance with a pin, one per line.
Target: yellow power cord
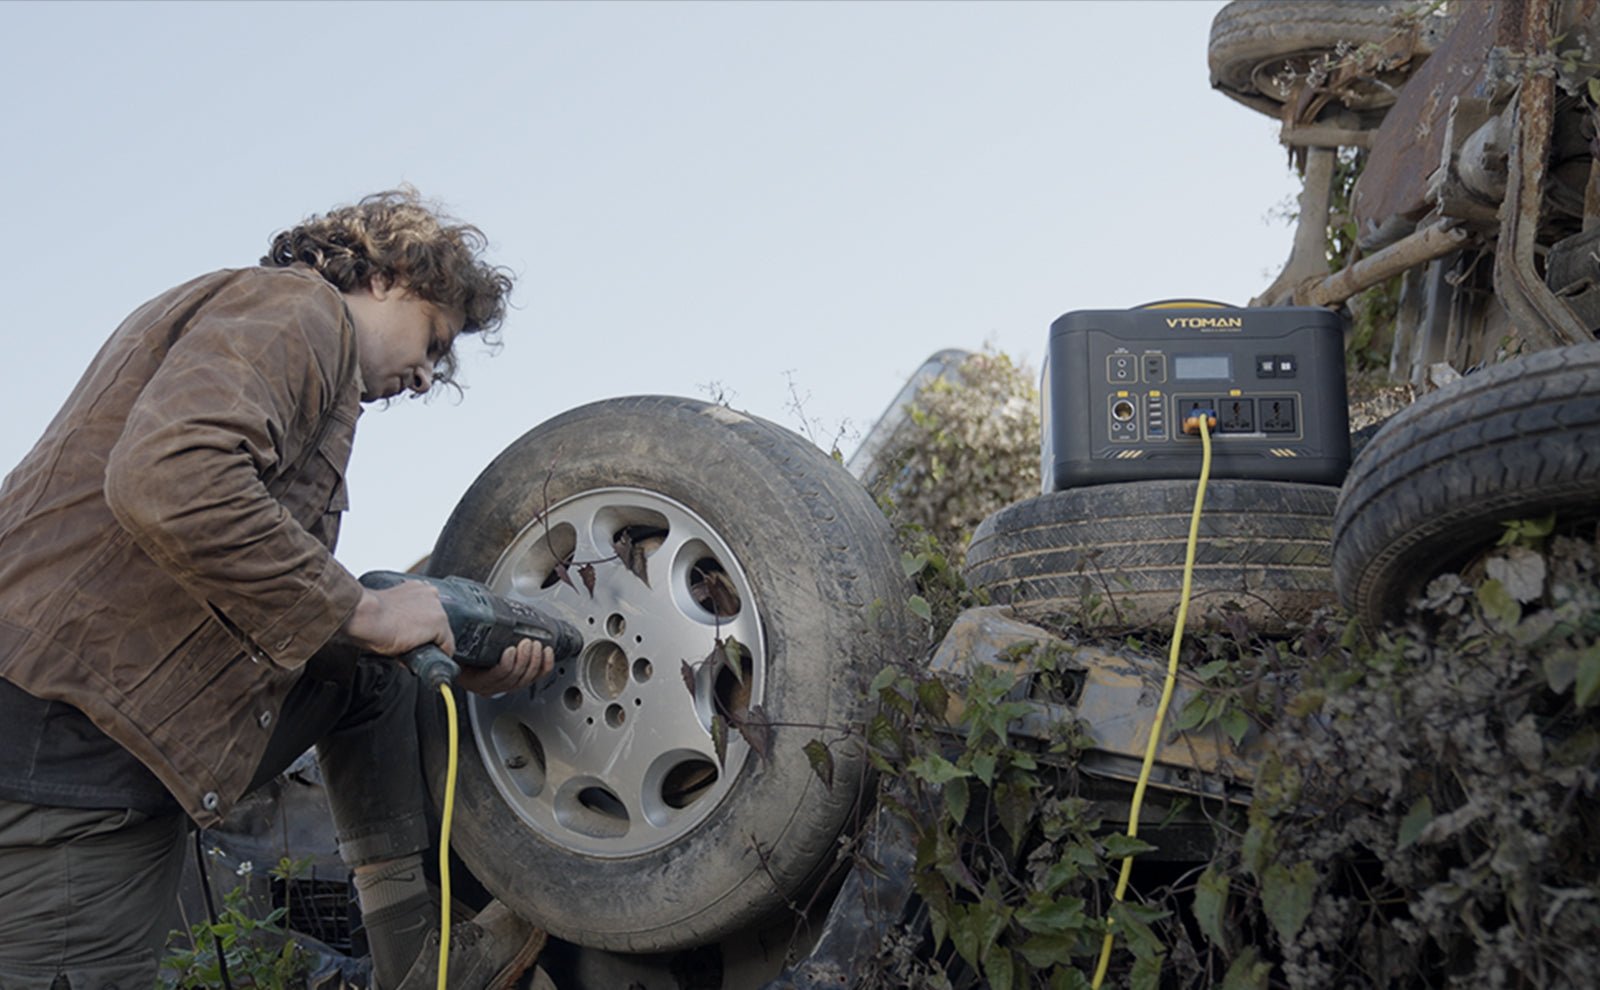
(1203, 426)
(444, 836)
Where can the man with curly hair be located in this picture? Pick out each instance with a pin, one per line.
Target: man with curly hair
(174, 629)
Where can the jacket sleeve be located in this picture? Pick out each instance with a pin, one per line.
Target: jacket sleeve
(238, 399)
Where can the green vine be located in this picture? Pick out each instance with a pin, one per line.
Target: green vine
(1423, 814)
(258, 948)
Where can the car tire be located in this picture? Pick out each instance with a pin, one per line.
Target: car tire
(597, 806)
(1433, 488)
(1253, 41)
(1111, 556)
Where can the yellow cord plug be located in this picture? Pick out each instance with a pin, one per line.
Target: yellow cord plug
(444, 836)
(1201, 424)
(1198, 418)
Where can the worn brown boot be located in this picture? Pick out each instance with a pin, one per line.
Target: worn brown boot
(490, 952)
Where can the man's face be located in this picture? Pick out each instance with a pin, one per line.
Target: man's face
(399, 338)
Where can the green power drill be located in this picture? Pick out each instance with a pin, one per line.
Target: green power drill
(483, 624)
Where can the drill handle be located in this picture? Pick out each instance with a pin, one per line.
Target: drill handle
(432, 665)
(380, 580)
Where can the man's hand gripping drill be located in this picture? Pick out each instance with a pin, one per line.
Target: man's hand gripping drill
(504, 645)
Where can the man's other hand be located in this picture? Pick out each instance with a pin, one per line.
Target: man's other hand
(518, 668)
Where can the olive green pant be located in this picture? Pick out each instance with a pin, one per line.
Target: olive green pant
(88, 897)
(79, 884)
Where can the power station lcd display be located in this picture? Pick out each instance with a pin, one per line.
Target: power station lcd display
(1201, 367)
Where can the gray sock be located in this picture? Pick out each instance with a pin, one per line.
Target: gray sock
(398, 909)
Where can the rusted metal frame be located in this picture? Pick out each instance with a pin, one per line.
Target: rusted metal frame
(1310, 251)
(1538, 313)
(1591, 195)
(1308, 256)
(1398, 51)
(1419, 248)
(1574, 16)
(1415, 138)
(1323, 136)
(1464, 186)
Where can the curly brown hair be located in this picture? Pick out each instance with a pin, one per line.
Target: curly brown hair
(398, 236)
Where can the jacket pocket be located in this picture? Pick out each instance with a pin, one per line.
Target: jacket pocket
(172, 681)
(313, 492)
(332, 459)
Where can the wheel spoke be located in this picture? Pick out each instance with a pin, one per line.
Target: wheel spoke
(614, 754)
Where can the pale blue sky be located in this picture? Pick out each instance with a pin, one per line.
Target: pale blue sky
(697, 197)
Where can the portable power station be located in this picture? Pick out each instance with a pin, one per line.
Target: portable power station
(1117, 386)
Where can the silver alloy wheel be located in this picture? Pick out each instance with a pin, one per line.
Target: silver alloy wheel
(614, 755)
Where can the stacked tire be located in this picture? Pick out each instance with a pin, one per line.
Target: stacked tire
(1105, 557)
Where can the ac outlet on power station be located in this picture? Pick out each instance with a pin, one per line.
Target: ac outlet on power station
(1236, 415)
(1278, 415)
(1191, 405)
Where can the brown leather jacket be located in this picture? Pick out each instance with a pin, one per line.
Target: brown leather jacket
(165, 548)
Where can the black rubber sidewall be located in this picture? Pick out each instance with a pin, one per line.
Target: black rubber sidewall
(1246, 33)
(1263, 546)
(1434, 488)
